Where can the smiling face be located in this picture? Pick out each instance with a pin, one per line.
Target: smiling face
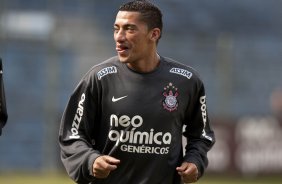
(134, 41)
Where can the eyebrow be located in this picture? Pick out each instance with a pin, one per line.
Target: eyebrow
(126, 25)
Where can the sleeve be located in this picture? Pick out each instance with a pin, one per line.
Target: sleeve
(200, 136)
(3, 108)
(76, 132)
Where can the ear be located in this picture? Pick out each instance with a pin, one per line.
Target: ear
(155, 34)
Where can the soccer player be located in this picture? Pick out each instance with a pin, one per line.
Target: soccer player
(124, 122)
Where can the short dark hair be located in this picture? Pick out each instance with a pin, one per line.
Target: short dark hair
(150, 13)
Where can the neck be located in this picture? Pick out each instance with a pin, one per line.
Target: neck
(146, 65)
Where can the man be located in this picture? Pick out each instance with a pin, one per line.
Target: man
(3, 110)
(123, 123)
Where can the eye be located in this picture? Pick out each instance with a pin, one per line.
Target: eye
(131, 29)
(116, 29)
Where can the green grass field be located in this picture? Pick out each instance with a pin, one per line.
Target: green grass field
(241, 180)
(28, 178)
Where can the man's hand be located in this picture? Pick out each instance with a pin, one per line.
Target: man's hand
(188, 172)
(103, 165)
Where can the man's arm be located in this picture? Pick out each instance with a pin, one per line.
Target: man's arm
(3, 108)
(200, 137)
(75, 136)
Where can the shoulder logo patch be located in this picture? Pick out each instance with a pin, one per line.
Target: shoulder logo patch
(182, 72)
(106, 71)
(170, 101)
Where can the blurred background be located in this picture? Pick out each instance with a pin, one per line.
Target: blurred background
(236, 46)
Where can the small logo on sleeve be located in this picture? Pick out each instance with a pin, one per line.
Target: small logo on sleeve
(170, 101)
(182, 72)
(106, 71)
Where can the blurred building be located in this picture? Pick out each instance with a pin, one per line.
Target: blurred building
(47, 46)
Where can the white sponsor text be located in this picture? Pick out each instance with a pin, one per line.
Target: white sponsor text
(77, 119)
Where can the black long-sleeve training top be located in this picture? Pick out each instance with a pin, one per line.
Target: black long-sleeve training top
(137, 118)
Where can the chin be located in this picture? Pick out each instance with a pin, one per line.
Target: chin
(123, 59)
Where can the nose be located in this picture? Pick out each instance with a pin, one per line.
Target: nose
(119, 36)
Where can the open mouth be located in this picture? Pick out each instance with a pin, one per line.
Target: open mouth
(122, 49)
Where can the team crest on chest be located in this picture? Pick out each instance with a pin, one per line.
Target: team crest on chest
(170, 101)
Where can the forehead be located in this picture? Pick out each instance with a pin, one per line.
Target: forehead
(128, 17)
